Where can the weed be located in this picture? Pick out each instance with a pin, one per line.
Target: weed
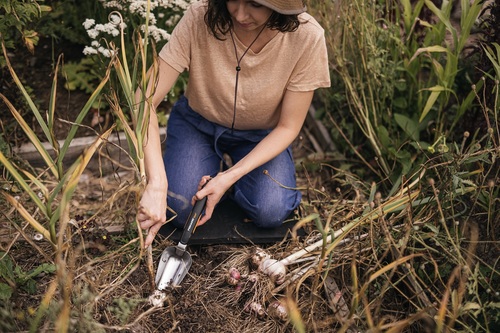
(16, 278)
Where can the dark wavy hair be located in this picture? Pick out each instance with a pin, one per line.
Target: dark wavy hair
(218, 20)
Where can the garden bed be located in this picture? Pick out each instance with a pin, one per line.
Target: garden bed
(399, 251)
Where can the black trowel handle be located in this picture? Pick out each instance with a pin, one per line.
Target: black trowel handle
(192, 220)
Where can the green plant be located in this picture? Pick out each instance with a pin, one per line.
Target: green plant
(43, 197)
(50, 216)
(125, 21)
(81, 75)
(123, 308)
(64, 23)
(15, 277)
(429, 259)
(17, 18)
(400, 83)
(443, 60)
(130, 80)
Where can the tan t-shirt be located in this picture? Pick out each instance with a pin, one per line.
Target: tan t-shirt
(295, 61)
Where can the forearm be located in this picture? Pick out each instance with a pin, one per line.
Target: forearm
(271, 146)
(153, 206)
(294, 109)
(158, 87)
(155, 171)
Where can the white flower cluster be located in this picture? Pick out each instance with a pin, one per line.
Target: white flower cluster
(141, 8)
(94, 30)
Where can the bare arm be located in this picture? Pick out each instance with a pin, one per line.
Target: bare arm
(293, 113)
(153, 205)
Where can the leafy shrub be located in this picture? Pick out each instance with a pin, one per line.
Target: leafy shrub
(17, 20)
(64, 22)
(401, 68)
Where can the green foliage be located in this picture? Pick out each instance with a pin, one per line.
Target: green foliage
(16, 277)
(17, 18)
(455, 220)
(154, 22)
(64, 22)
(81, 75)
(402, 85)
(131, 76)
(53, 202)
(442, 57)
(431, 252)
(493, 54)
(122, 308)
(401, 92)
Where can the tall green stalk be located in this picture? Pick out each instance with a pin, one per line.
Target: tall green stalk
(129, 82)
(45, 198)
(443, 55)
(394, 68)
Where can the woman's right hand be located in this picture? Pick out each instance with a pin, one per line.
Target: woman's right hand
(152, 211)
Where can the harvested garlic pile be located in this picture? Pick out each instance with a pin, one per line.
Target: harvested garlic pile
(273, 268)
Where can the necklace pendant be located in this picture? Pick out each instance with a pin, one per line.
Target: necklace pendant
(238, 68)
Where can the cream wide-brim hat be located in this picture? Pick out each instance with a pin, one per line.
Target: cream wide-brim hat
(286, 7)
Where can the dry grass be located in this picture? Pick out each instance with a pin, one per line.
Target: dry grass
(424, 267)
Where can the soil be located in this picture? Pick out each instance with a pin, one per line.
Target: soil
(107, 271)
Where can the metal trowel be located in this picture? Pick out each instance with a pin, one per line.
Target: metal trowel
(175, 261)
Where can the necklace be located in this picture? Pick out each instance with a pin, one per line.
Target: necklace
(238, 69)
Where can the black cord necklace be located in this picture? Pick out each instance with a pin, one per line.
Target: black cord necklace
(238, 68)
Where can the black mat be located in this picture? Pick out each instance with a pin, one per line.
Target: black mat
(228, 226)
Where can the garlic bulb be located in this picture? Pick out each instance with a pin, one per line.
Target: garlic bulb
(157, 298)
(258, 256)
(233, 276)
(274, 269)
(255, 309)
(253, 277)
(277, 309)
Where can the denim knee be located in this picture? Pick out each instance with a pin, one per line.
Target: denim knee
(270, 215)
(270, 211)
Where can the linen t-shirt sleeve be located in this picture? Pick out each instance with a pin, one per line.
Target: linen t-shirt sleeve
(312, 70)
(177, 52)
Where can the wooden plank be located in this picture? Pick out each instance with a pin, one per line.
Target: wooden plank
(318, 132)
(112, 155)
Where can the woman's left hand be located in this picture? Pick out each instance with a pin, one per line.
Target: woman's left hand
(213, 189)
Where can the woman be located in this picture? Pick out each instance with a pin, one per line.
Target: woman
(253, 68)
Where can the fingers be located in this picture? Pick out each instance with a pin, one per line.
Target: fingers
(203, 181)
(142, 216)
(213, 194)
(150, 222)
(209, 209)
(146, 220)
(202, 190)
(152, 234)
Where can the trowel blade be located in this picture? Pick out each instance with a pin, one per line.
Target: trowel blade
(172, 267)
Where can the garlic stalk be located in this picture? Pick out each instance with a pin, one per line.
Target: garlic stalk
(394, 204)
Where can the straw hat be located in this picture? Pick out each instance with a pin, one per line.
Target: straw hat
(287, 7)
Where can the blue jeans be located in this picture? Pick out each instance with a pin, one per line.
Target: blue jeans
(195, 147)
